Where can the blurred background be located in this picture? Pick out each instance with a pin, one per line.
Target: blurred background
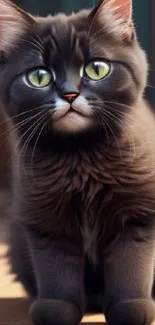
(144, 18)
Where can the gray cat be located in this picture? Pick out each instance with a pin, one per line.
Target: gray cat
(82, 214)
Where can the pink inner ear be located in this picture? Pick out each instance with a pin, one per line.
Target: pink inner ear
(5, 19)
(123, 7)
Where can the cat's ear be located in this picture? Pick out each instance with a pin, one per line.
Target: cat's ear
(13, 24)
(116, 16)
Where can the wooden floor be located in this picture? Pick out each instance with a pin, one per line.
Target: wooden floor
(13, 302)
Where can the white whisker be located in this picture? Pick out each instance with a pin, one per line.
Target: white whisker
(32, 43)
(16, 127)
(36, 124)
(37, 139)
(103, 117)
(20, 114)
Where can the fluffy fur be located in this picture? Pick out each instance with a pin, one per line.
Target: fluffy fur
(83, 173)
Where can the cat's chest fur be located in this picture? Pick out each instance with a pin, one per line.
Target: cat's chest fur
(87, 192)
(63, 178)
(72, 185)
(82, 181)
(81, 172)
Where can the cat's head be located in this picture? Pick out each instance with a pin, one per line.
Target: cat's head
(71, 75)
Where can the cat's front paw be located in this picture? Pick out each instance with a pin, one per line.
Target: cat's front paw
(131, 312)
(54, 312)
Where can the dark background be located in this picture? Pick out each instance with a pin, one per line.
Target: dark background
(145, 24)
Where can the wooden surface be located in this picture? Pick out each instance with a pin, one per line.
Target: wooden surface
(13, 301)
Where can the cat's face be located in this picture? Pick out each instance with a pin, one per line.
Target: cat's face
(72, 75)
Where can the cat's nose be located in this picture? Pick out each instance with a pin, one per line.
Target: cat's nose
(70, 97)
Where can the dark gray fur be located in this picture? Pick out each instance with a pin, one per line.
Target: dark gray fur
(82, 214)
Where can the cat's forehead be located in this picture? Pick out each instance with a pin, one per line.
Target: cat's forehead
(63, 39)
(60, 21)
(73, 37)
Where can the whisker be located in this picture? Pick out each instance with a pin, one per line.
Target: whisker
(92, 22)
(36, 123)
(106, 32)
(30, 128)
(117, 104)
(99, 122)
(39, 42)
(128, 115)
(20, 114)
(14, 129)
(115, 117)
(37, 139)
(131, 141)
(132, 109)
(37, 45)
(112, 132)
(17, 127)
(26, 145)
(39, 39)
(150, 86)
(93, 39)
(30, 137)
(33, 44)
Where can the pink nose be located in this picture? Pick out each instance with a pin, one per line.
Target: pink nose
(70, 97)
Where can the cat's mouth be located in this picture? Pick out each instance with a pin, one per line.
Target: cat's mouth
(69, 112)
(73, 112)
(71, 119)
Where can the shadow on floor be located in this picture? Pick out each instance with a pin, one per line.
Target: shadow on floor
(14, 311)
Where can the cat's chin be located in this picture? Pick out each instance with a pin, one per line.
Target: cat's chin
(72, 122)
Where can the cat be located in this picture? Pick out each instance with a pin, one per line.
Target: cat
(82, 212)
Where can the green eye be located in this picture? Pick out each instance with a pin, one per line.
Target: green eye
(97, 70)
(39, 78)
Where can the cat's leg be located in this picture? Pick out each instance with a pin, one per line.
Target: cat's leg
(59, 266)
(128, 274)
(20, 259)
